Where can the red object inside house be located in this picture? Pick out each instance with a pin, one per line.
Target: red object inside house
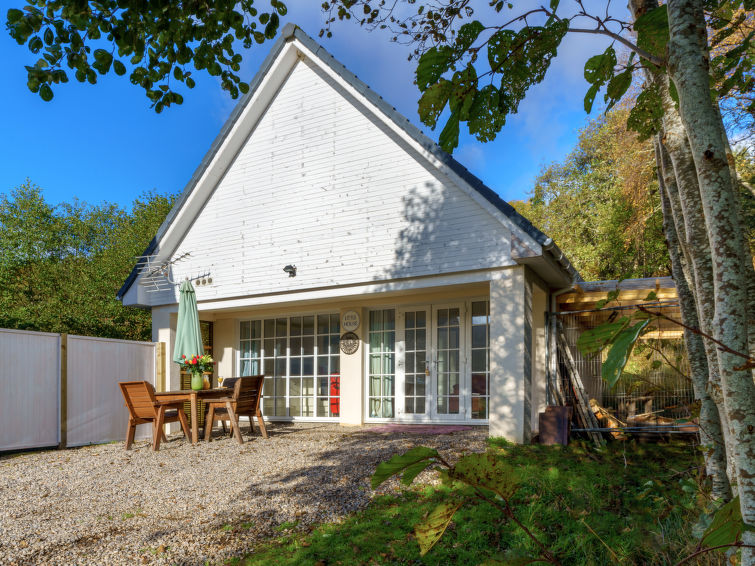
(335, 395)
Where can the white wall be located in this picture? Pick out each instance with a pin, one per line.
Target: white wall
(321, 185)
(507, 357)
(96, 409)
(29, 371)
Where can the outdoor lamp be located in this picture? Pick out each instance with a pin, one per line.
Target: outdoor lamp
(291, 270)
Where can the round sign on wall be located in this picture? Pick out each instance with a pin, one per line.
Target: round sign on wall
(350, 321)
(349, 343)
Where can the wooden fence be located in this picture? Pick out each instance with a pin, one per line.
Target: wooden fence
(62, 390)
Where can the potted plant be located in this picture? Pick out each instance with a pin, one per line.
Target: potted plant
(196, 366)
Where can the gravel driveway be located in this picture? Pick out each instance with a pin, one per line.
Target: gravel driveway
(191, 505)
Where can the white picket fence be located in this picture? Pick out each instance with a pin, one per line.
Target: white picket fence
(63, 389)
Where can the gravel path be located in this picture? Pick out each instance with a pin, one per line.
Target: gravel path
(192, 505)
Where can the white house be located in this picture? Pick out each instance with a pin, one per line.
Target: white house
(382, 234)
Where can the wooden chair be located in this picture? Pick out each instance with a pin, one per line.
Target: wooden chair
(144, 408)
(244, 401)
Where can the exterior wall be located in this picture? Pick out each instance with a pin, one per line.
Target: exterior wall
(352, 374)
(539, 377)
(507, 357)
(320, 184)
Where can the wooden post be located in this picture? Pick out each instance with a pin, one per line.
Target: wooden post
(63, 391)
(160, 366)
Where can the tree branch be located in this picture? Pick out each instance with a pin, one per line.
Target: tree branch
(625, 42)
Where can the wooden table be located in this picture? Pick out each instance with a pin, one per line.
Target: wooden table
(192, 396)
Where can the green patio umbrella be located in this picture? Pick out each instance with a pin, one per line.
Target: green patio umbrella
(188, 333)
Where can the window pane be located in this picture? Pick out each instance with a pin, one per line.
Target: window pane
(295, 345)
(269, 328)
(420, 385)
(409, 365)
(308, 327)
(296, 326)
(256, 349)
(322, 365)
(246, 349)
(269, 348)
(280, 386)
(409, 323)
(479, 359)
(308, 345)
(281, 326)
(322, 407)
(322, 323)
(308, 386)
(246, 330)
(256, 329)
(246, 367)
(409, 339)
(421, 323)
(335, 365)
(322, 344)
(442, 317)
(280, 346)
(479, 384)
(421, 340)
(453, 337)
(335, 324)
(443, 338)
(387, 408)
(374, 365)
(308, 407)
(479, 337)
(295, 366)
(294, 387)
(389, 319)
(453, 317)
(390, 342)
(280, 366)
(308, 366)
(295, 407)
(335, 341)
(374, 385)
(376, 320)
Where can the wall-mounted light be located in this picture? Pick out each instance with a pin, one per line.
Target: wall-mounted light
(291, 270)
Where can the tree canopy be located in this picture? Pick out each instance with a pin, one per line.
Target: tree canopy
(61, 266)
(158, 44)
(601, 204)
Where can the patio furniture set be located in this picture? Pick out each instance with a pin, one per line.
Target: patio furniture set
(239, 397)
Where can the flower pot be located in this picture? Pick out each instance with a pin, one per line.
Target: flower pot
(197, 383)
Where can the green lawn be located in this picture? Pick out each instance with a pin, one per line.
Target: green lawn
(626, 504)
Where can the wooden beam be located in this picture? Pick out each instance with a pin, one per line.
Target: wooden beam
(160, 366)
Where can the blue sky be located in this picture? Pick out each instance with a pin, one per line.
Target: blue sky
(104, 143)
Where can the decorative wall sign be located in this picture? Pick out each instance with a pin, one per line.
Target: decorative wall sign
(349, 343)
(350, 321)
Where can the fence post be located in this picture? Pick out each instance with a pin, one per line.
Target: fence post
(63, 391)
(160, 369)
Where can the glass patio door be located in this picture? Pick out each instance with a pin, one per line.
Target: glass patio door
(413, 367)
(449, 385)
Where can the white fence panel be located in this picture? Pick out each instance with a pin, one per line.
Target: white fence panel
(96, 411)
(29, 370)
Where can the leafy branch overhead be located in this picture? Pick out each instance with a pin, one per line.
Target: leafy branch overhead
(159, 44)
(478, 72)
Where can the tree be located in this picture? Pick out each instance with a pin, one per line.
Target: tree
(156, 43)
(477, 73)
(60, 267)
(601, 205)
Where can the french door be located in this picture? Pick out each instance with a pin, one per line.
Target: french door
(431, 373)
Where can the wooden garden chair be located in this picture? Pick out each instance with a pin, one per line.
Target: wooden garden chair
(244, 400)
(144, 408)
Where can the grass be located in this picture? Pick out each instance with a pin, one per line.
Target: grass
(627, 504)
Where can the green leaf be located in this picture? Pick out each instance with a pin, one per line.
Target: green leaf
(652, 31)
(399, 462)
(599, 68)
(433, 101)
(467, 35)
(617, 86)
(414, 470)
(449, 137)
(485, 118)
(431, 529)
(486, 471)
(727, 526)
(590, 97)
(14, 15)
(433, 63)
(463, 93)
(645, 116)
(618, 355)
(651, 296)
(119, 68)
(594, 340)
(45, 92)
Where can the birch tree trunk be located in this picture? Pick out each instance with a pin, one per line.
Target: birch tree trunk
(688, 68)
(711, 432)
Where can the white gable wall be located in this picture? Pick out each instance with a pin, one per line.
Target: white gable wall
(322, 184)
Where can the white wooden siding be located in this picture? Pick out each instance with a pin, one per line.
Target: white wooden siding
(321, 184)
(96, 409)
(29, 371)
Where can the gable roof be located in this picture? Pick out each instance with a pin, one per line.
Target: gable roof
(288, 34)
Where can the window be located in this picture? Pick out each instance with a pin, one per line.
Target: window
(382, 364)
(480, 359)
(299, 357)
